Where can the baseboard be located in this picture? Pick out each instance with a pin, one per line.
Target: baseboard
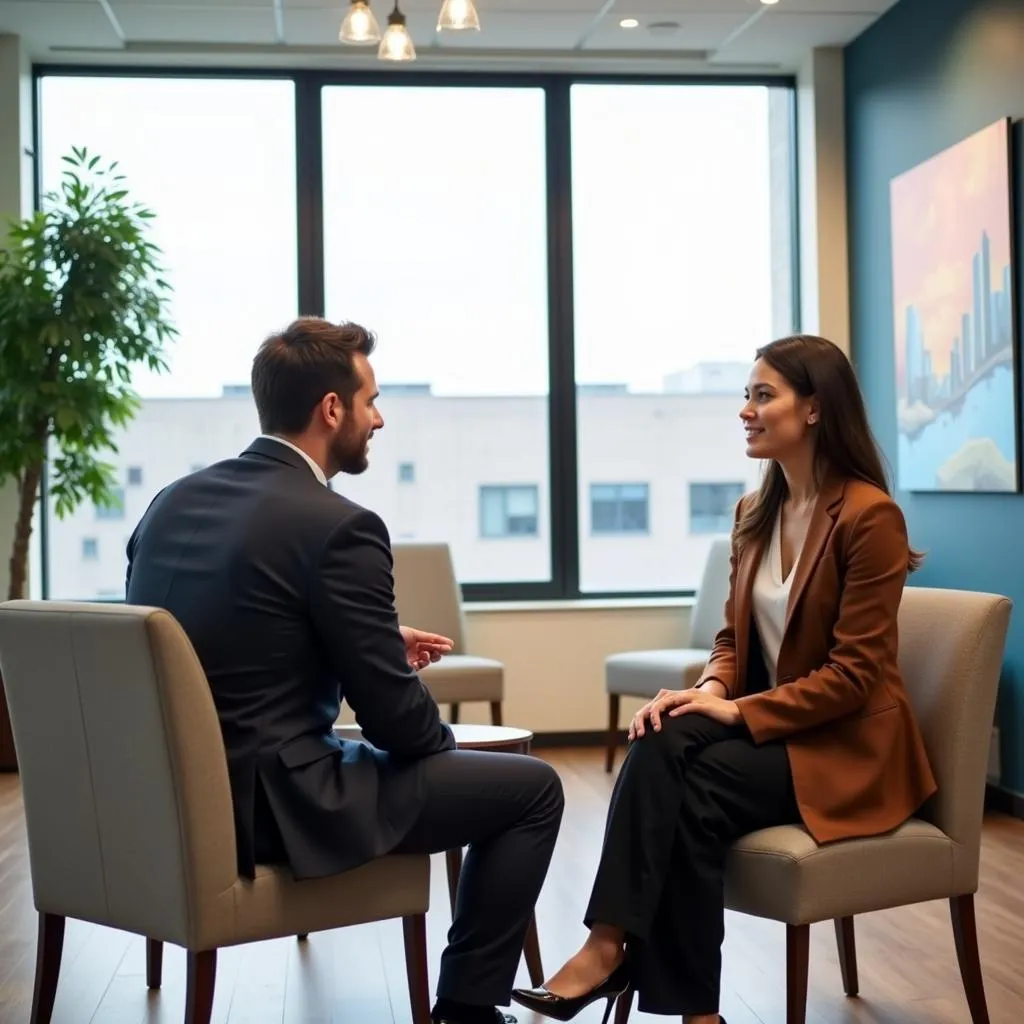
(587, 738)
(1004, 800)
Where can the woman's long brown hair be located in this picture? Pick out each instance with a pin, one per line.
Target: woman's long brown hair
(844, 445)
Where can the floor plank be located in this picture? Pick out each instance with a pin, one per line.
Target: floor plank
(908, 972)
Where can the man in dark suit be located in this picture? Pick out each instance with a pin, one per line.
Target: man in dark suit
(285, 590)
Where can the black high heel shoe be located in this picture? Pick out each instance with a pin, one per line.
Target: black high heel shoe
(540, 1000)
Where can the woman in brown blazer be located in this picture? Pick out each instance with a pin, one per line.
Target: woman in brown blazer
(800, 714)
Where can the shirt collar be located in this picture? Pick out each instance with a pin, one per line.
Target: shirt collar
(317, 471)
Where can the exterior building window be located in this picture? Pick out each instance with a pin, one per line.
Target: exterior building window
(134, 476)
(508, 511)
(619, 508)
(407, 472)
(90, 549)
(712, 506)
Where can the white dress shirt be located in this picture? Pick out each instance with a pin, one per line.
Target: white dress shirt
(317, 471)
(771, 598)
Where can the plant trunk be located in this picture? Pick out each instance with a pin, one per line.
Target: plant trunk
(28, 490)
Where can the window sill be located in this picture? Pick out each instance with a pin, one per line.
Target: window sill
(578, 604)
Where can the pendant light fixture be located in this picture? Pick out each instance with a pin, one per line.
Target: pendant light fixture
(360, 26)
(458, 16)
(397, 43)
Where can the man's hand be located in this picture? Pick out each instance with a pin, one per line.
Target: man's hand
(423, 648)
(681, 702)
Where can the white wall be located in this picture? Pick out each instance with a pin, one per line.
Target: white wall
(821, 161)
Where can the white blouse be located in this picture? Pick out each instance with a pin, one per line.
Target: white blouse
(771, 596)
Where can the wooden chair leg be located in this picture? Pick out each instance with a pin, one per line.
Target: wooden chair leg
(453, 861)
(623, 1005)
(531, 950)
(965, 936)
(847, 954)
(798, 948)
(415, 931)
(202, 976)
(495, 712)
(455, 714)
(49, 946)
(613, 731)
(154, 963)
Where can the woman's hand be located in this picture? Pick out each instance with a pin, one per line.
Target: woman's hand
(681, 702)
(704, 702)
(653, 711)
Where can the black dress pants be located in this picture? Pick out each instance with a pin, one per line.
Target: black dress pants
(507, 809)
(683, 795)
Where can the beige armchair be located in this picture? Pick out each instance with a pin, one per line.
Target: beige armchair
(646, 673)
(951, 653)
(128, 808)
(427, 596)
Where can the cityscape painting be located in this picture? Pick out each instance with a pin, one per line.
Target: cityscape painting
(954, 317)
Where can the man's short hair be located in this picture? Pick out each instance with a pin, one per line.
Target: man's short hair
(294, 369)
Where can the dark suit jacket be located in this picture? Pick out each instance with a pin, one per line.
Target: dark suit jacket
(285, 590)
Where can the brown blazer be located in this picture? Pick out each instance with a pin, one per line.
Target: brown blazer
(858, 761)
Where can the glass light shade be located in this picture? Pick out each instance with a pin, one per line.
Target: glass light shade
(397, 43)
(458, 15)
(360, 26)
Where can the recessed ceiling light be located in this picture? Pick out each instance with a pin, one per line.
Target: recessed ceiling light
(769, 3)
(629, 23)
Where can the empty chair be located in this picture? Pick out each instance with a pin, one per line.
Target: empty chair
(951, 654)
(644, 673)
(427, 596)
(129, 812)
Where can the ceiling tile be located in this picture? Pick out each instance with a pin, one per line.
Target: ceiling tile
(147, 22)
(696, 31)
(522, 31)
(784, 38)
(72, 21)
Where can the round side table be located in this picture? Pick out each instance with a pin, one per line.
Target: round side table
(482, 737)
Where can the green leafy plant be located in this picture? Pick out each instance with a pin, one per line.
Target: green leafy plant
(82, 302)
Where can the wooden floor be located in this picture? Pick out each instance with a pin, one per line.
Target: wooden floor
(908, 971)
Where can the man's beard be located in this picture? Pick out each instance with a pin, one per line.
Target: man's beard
(348, 452)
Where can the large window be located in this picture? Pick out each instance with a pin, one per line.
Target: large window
(681, 203)
(567, 281)
(435, 227)
(215, 160)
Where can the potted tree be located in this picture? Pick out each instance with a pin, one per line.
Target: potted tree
(82, 302)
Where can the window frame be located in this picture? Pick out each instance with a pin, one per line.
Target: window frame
(562, 481)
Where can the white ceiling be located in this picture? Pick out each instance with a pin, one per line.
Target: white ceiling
(737, 36)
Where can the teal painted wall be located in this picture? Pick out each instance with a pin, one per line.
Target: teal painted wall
(924, 76)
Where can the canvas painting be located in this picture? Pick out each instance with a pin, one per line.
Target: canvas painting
(954, 318)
